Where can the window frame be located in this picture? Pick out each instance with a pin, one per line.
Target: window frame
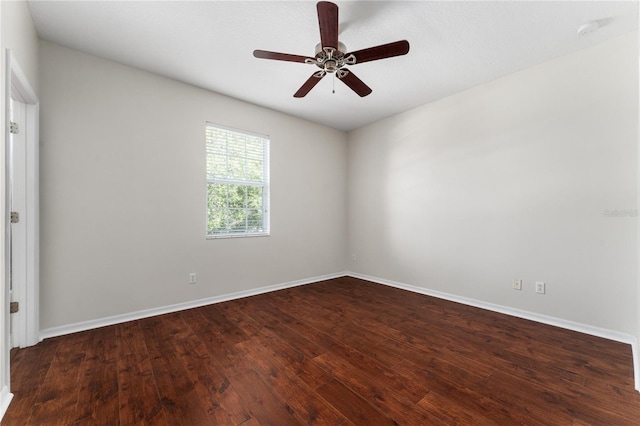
(265, 185)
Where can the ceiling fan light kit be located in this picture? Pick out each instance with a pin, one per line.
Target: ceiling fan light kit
(332, 57)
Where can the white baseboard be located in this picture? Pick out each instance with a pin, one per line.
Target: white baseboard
(5, 400)
(544, 319)
(636, 364)
(146, 313)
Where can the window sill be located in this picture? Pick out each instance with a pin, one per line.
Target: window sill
(247, 235)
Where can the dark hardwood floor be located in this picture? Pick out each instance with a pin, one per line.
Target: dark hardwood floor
(342, 351)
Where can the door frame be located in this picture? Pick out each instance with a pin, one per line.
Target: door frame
(18, 87)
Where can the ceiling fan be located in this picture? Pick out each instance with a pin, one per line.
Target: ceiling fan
(332, 57)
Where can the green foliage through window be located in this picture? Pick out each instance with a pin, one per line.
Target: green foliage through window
(237, 182)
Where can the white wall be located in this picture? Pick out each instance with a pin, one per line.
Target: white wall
(510, 180)
(123, 193)
(19, 35)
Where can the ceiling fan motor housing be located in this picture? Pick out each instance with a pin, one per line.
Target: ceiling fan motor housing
(337, 53)
(330, 59)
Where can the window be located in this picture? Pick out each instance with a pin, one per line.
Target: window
(237, 183)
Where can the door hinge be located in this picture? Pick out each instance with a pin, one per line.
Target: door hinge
(13, 128)
(14, 307)
(15, 217)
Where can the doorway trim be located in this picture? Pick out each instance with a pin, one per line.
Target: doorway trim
(18, 87)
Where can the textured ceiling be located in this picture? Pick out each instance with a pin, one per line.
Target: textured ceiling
(454, 45)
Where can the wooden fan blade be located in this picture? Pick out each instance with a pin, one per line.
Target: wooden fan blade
(308, 85)
(328, 21)
(355, 84)
(264, 54)
(383, 51)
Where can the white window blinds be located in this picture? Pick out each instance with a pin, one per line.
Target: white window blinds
(237, 182)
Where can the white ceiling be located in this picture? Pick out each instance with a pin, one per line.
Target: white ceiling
(454, 45)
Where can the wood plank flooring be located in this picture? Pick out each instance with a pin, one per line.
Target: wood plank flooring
(337, 352)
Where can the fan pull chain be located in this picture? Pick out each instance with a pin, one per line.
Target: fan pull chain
(334, 84)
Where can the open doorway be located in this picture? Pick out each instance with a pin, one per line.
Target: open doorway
(21, 240)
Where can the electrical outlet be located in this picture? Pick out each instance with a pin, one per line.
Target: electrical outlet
(192, 278)
(540, 287)
(517, 284)
(354, 257)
